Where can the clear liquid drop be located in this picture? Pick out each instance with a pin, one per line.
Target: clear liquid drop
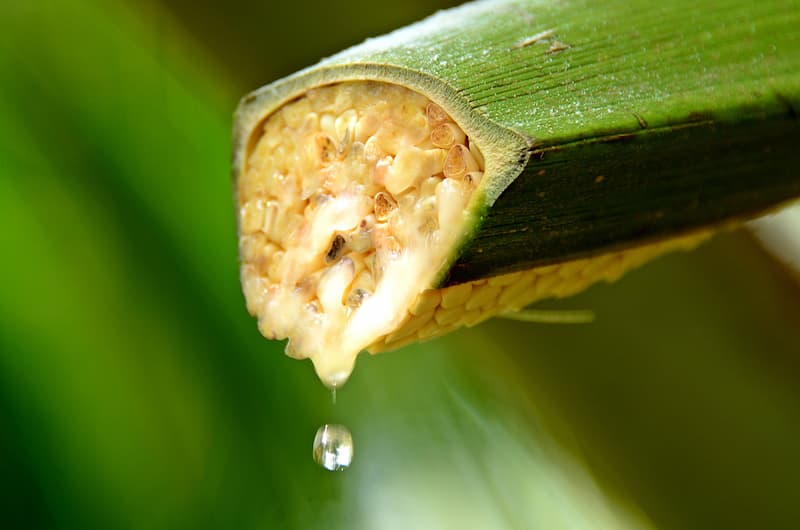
(333, 447)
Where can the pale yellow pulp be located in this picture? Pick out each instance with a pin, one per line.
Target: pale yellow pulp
(350, 202)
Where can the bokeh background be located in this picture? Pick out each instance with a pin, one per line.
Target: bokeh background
(136, 392)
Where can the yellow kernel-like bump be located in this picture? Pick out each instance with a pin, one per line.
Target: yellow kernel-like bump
(546, 269)
(459, 162)
(514, 294)
(473, 178)
(345, 125)
(445, 135)
(505, 279)
(411, 165)
(448, 328)
(263, 259)
(426, 301)
(384, 205)
(482, 296)
(596, 265)
(253, 288)
(572, 286)
(428, 330)
(399, 343)
(366, 126)
(435, 114)
(250, 246)
(326, 148)
(274, 267)
(572, 269)
(327, 125)
(252, 216)
(445, 317)
(456, 295)
(295, 115)
(410, 326)
(545, 283)
(472, 318)
(615, 268)
(427, 187)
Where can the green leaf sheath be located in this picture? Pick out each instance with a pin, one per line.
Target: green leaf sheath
(609, 193)
(604, 125)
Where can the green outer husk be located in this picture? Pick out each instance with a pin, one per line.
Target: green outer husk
(632, 70)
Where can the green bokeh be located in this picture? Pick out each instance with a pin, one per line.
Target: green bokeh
(135, 391)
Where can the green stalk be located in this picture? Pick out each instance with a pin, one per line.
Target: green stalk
(604, 126)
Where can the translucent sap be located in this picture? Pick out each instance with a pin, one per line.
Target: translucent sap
(333, 447)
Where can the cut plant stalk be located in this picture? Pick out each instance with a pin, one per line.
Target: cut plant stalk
(503, 152)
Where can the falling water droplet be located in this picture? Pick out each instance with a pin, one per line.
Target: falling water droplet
(333, 447)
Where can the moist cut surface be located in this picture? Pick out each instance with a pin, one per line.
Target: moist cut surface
(352, 198)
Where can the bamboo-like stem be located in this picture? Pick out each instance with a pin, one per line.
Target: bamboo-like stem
(603, 126)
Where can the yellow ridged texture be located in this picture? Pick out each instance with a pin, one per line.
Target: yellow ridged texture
(440, 311)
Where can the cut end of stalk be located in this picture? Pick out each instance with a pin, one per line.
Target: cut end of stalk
(352, 199)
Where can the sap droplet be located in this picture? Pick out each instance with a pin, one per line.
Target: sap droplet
(333, 447)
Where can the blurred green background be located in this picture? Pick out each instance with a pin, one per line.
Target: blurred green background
(136, 392)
